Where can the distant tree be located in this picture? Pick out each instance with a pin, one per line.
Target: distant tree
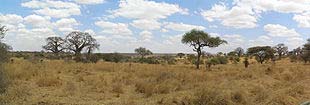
(4, 48)
(4, 56)
(198, 40)
(181, 55)
(232, 53)
(143, 52)
(239, 51)
(54, 44)
(3, 30)
(295, 54)
(261, 53)
(281, 50)
(306, 52)
(77, 42)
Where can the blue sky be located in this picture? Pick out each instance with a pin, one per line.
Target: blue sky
(123, 25)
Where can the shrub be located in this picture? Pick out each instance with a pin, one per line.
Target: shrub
(3, 58)
(149, 60)
(93, 58)
(210, 97)
(169, 59)
(222, 60)
(114, 57)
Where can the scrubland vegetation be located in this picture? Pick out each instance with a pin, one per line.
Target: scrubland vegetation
(67, 72)
(54, 82)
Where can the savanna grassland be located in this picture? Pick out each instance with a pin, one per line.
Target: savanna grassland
(58, 82)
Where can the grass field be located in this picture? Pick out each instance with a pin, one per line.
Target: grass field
(56, 82)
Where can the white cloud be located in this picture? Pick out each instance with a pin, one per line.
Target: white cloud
(10, 19)
(89, 2)
(145, 9)
(182, 27)
(91, 32)
(276, 30)
(66, 24)
(118, 29)
(303, 20)
(146, 24)
(146, 35)
(245, 13)
(261, 41)
(56, 9)
(237, 16)
(38, 21)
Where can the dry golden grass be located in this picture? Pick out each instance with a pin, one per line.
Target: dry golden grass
(61, 83)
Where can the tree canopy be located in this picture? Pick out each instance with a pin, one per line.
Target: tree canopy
(261, 53)
(76, 41)
(54, 44)
(280, 49)
(143, 52)
(198, 40)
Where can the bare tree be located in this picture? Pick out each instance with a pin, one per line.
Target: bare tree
(77, 42)
(239, 51)
(54, 44)
(280, 49)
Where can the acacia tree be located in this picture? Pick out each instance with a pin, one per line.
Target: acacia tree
(239, 51)
(3, 30)
(180, 55)
(4, 48)
(306, 52)
(261, 53)
(54, 44)
(143, 52)
(198, 40)
(77, 41)
(280, 49)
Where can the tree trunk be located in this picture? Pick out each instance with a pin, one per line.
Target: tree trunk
(198, 58)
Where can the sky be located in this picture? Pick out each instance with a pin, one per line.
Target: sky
(158, 25)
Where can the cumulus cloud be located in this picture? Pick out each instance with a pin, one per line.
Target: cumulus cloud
(245, 13)
(56, 9)
(237, 16)
(38, 21)
(146, 24)
(182, 27)
(276, 30)
(140, 9)
(89, 2)
(146, 35)
(117, 29)
(66, 24)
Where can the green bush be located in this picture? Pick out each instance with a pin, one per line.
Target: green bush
(93, 58)
(222, 60)
(149, 60)
(115, 57)
(4, 56)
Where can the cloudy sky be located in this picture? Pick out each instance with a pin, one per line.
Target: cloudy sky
(122, 25)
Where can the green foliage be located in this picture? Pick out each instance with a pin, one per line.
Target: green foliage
(93, 58)
(4, 56)
(149, 60)
(114, 57)
(306, 52)
(218, 60)
(280, 49)
(199, 39)
(181, 55)
(261, 53)
(169, 59)
(143, 52)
